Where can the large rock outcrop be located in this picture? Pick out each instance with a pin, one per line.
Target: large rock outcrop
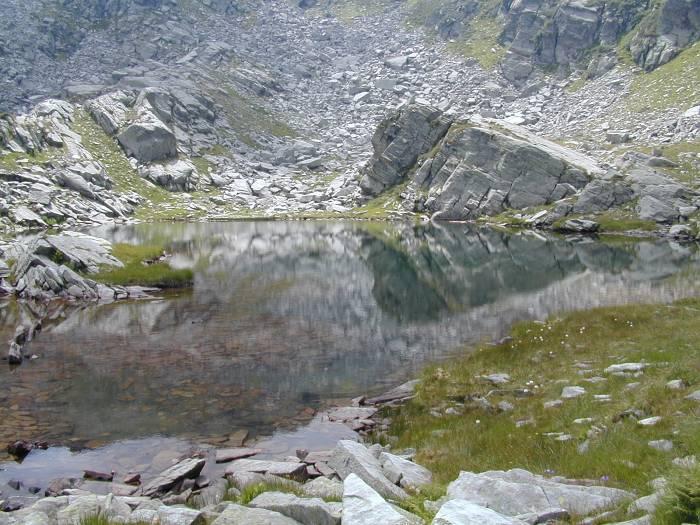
(148, 140)
(476, 168)
(398, 142)
(482, 169)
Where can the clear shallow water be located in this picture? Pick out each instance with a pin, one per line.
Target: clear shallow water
(286, 317)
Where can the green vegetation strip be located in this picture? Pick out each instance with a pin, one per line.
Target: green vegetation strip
(673, 85)
(137, 272)
(541, 359)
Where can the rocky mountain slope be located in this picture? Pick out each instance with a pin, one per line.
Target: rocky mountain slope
(162, 109)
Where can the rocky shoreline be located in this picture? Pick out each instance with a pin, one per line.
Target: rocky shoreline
(353, 484)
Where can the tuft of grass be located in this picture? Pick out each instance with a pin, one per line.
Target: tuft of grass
(676, 84)
(541, 359)
(251, 492)
(13, 161)
(681, 502)
(137, 272)
(101, 519)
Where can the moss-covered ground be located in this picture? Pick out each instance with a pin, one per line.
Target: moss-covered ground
(142, 267)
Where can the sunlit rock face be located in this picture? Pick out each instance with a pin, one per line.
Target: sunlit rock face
(284, 316)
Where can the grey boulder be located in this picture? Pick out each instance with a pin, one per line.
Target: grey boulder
(352, 458)
(362, 505)
(309, 511)
(520, 492)
(148, 140)
(461, 512)
(238, 515)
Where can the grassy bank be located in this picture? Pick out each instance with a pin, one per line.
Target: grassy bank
(143, 268)
(455, 422)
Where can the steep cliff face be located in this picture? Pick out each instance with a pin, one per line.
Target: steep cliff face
(668, 29)
(554, 33)
(567, 34)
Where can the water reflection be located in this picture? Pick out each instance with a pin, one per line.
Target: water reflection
(286, 316)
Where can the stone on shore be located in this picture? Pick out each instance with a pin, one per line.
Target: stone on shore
(409, 474)
(362, 505)
(226, 455)
(180, 516)
(309, 511)
(350, 457)
(239, 515)
(187, 469)
(462, 512)
(284, 469)
(323, 488)
(518, 491)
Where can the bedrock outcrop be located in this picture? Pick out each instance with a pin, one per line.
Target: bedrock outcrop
(466, 169)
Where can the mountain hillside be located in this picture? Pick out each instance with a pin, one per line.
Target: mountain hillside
(164, 109)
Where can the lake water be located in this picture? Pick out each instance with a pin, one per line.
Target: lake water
(287, 317)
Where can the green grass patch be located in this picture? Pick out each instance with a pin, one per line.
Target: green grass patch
(251, 492)
(673, 85)
(101, 519)
(481, 42)
(138, 269)
(248, 118)
(15, 161)
(621, 221)
(541, 359)
(350, 10)
(384, 205)
(577, 85)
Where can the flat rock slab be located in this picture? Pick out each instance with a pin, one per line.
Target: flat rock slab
(404, 391)
(180, 516)
(461, 512)
(225, 455)
(520, 492)
(238, 515)
(351, 413)
(283, 469)
(187, 469)
(350, 457)
(309, 511)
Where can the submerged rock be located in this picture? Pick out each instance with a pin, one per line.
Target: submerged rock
(187, 469)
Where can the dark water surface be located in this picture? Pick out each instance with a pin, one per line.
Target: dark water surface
(285, 317)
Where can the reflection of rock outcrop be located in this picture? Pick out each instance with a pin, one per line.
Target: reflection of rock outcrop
(285, 315)
(398, 288)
